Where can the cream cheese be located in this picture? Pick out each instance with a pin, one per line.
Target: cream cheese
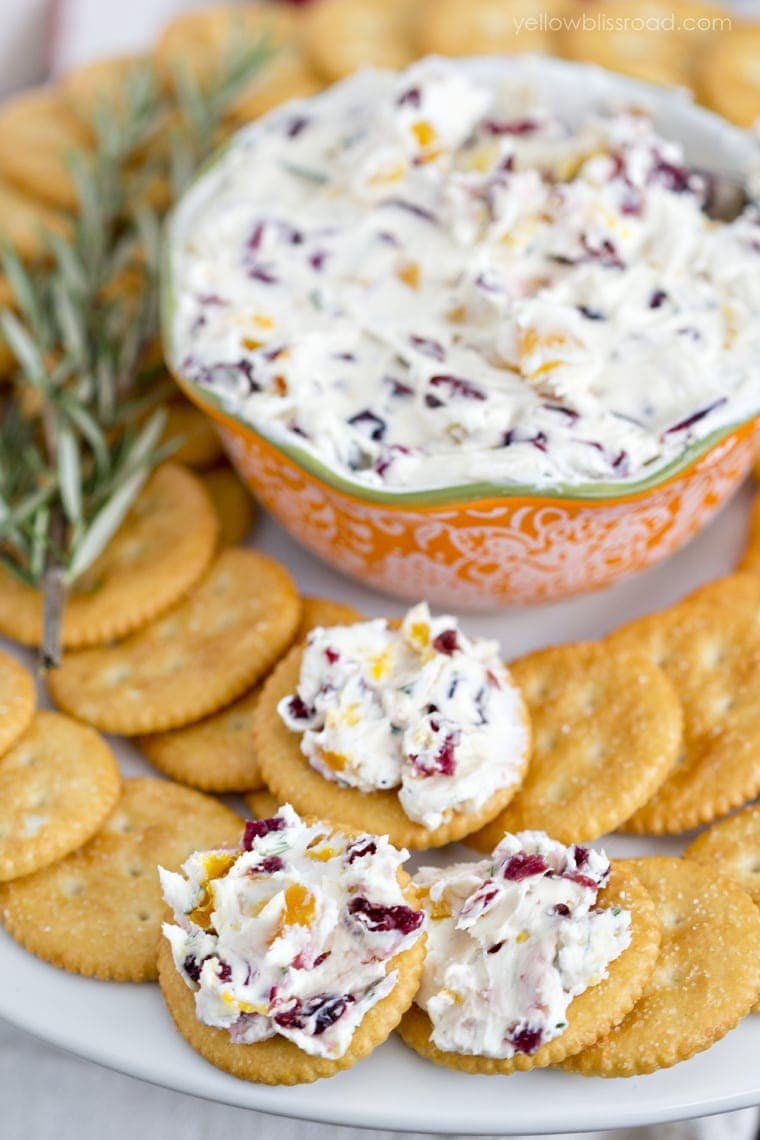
(292, 933)
(512, 939)
(423, 284)
(420, 707)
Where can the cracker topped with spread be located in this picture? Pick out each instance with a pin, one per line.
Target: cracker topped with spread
(428, 280)
(512, 940)
(415, 712)
(297, 934)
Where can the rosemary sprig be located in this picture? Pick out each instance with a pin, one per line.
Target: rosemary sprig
(83, 428)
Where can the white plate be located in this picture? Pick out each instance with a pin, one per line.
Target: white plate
(126, 1027)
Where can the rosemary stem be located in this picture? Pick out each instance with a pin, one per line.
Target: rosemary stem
(53, 598)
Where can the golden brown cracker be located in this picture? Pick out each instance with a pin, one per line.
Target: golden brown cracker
(38, 135)
(291, 779)
(26, 224)
(216, 754)
(480, 27)
(325, 612)
(728, 77)
(706, 979)
(606, 732)
(197, 444)
(202, 655)
(343, 35)
(646, 52)
(287, 75)
(161, 550)
(18, 697)
(732, 847)
(262, 803)
(750, 560)
(100, 87)
(709, 646)
(99, 911)
(277, 1061)
(58, 784)
(233, 503)
(591, 1013)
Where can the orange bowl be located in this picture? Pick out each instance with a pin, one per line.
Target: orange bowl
(488, 545)
(466, 549)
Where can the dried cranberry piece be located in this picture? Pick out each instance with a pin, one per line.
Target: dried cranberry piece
(192, 968)
(446, 642)
(526, 1040)
(412, 97)
(522, 866)
(258, 828)
(225, 971)
(372, 425)
(261, 273)
(298, 709)
(569, 413)
(268, 866)
(317, 260)
(657, 298)
(296, 126)
(397, 388)
(581, 855)
(678, 179)
(322, 958)
(433, 401)
(332, 655)
(562, 909)
(693, 419)
(605, 253)
(327, 1011)
(495, 948)
(359, 849)
(581, 880)
(458, 386)
(498, 127)
(376, 917)
(590, 314)
(411, 208)
(428, 347)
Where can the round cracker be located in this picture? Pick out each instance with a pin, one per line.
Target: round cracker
(100, 86)
(706, 979)
(287, 75)
(342, 36)
(18, 698)
(202, 655)
(25, 223)
(233, 504)
(38, 135)
(606, 732)
(58, 784)
(481, 27)
(648, 53)
(277, 1061)
(709, 646)
(160, 551)
(589, 1015)
(733, 848)
(289, 776)
(262, 803)
(216, 754)
(98, 912)
(198, 444)
(728, 76)
(325, 612)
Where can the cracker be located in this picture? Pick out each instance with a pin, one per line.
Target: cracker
(289, 777)
(750, 561)
(58, 784)
(99, 911)
(99, 87)
(277, 1061)
(17, 700)
(233, 503)
(449, 27)
(589, 1015)
(648, 53)
(202, 655)
(343, 35)
(198, 444)
(325, 612)
(733, 848)
(38, 135)
(196, 42)
(160, 551)
(709, 646)
(262, 803)
(26, 224)
(727, 76)
(606, 732)
(706, 979)
(216, 754)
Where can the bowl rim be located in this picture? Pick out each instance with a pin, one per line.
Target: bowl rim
(451, 494)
